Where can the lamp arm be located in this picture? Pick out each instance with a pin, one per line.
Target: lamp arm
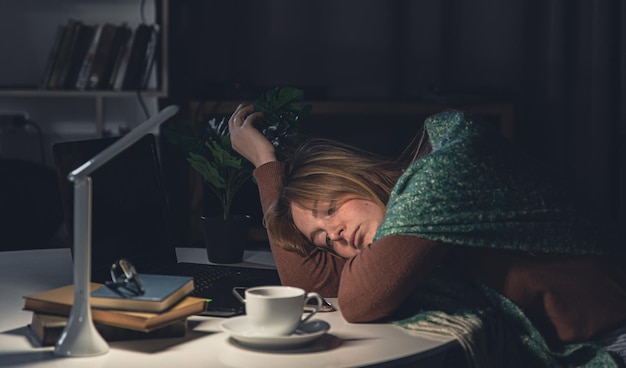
(123, 143)
(80, 337)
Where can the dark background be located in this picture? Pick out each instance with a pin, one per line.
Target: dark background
(561, 64)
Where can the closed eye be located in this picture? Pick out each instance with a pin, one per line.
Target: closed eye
(329, 243)
(332, 208)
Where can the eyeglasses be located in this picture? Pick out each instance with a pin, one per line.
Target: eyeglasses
(124, 274)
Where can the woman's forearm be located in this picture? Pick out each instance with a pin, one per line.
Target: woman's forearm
(377, 280)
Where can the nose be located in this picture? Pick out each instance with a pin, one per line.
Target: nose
(336, 233)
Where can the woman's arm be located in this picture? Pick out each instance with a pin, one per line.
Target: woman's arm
(377, 280)
(317, 272)
(320, 270)
(373, 283)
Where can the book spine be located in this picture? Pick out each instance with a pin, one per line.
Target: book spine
(132, 78)
(78, 53)
(121, 69)
(83, 75)
(58, 301)
(120, 50)
(62, 55)
(71, 50)
(46, 330)
(52, 56)
(149, 60)
(102, 56)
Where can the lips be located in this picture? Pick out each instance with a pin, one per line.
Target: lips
(354, 238)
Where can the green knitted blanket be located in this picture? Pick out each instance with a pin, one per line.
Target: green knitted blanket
(475, 190)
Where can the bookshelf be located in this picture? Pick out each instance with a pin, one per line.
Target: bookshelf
(21, 77)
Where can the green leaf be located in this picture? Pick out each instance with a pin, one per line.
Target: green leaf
(209, 150)
(288, 95)
(207, 170)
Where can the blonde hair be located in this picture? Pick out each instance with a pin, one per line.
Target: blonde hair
(325, 170)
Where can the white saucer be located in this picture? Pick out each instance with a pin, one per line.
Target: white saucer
(239, 329)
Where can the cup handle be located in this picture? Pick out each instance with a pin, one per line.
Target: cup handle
(237, 294)
(316, 309)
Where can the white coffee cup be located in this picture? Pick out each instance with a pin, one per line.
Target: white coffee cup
(276, 310)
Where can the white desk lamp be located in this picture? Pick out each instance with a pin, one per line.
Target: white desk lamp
(80, 337)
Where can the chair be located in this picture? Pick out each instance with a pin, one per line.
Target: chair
(30, 205)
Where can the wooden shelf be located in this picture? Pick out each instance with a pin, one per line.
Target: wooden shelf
(97, 96)
(43, 93)
(504, 111)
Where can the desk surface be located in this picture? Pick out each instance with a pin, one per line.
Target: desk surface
(345, 345)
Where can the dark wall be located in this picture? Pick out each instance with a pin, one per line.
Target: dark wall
(351, 49)
(558, 62)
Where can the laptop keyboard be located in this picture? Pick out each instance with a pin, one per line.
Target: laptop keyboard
(207, 277)
(216, 282)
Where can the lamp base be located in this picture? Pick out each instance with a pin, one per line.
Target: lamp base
(80, 339)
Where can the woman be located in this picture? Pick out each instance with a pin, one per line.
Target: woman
(470, 239)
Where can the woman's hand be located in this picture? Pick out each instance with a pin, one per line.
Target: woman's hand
(248, 140)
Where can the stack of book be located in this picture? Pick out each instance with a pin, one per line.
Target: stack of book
(101, 57)
(161, 312)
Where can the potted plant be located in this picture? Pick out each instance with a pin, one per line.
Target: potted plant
(223, 171)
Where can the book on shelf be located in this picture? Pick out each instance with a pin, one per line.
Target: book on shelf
(62, 54)
(64, 70)
(120, 72)
(58, 37)
(85, 69)
(102, 57)
(46, 329)
(121, 46)
(137, 58)
(58, 301)
(161, 292)
(149, 59)
(78, 49)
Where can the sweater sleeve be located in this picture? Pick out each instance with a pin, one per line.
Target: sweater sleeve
(319, 271)
(377, 280)
(373, 283)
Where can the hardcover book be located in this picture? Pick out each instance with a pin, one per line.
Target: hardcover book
(137, 57)
(124, 34)
(59, 302)
(120, 71)
(58, 38)
(62, 54)
(161, 292)
(64, 72)
(85, 69)
(150, 58)
(103, 57)
(79, 48)
(47, 328)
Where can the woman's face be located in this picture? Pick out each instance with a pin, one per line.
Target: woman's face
(346, 228)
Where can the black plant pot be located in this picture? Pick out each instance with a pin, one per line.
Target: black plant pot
(225, 239)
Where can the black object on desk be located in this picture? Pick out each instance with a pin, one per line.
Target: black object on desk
(131, 220)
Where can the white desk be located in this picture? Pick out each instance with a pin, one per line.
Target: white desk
(345, 345)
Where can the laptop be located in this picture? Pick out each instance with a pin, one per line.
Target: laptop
(130, 219)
